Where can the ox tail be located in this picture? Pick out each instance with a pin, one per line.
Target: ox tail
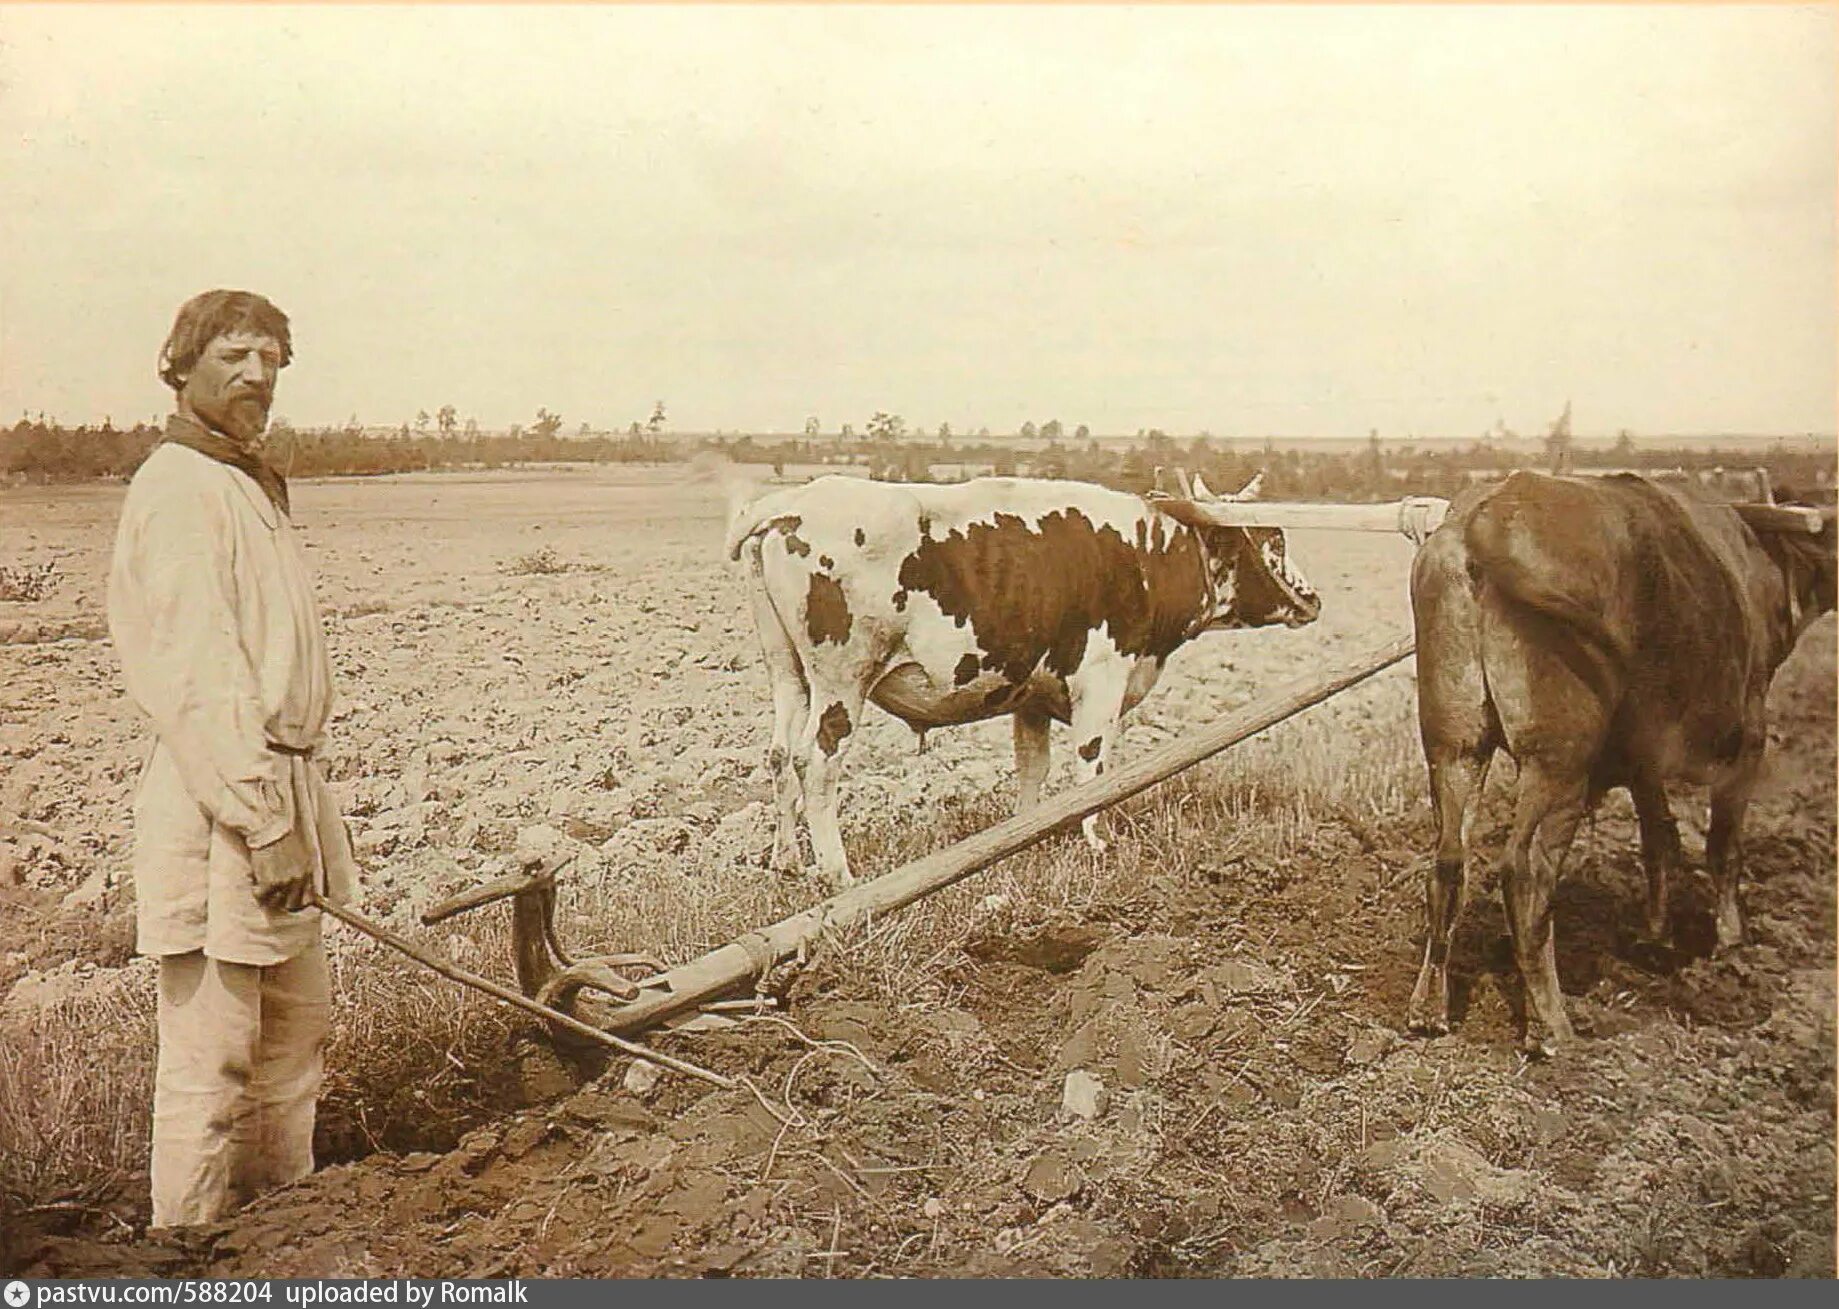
(1521, 559)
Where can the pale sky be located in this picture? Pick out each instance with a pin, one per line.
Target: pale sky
(1299, 221)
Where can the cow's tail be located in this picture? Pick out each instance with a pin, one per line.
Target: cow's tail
(749, 517)
(1515, 553)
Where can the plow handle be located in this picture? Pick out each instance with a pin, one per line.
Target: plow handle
(501, 888)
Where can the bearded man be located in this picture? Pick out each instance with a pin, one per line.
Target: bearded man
(211, 608)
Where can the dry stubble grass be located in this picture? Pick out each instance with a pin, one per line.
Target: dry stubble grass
(412, 1062)
(75, 1090)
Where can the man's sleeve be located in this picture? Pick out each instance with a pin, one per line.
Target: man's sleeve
(174, 616)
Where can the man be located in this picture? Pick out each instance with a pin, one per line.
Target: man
(212, 612)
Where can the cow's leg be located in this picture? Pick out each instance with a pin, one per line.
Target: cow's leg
(791, 706)
(1460, 734)
(1659, 852)
(831, 724)
(1097, 695)
(1455, 783)
(1730, 800)
(1548, 805)
(790, 709)
(1031, 757)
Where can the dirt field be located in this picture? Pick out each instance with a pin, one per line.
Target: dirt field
(1233, 975)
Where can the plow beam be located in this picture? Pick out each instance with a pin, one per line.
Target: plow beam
(742, 961)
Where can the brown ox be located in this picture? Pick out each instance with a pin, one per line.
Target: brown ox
(1604, 632)
(1044, 600)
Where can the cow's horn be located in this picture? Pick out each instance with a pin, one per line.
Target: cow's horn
(1201, 490)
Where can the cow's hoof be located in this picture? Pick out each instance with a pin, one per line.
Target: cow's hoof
(1426, 1024)
(1427, 1014)
(1546, 1045)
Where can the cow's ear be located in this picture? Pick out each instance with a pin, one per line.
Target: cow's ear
(1251, 489)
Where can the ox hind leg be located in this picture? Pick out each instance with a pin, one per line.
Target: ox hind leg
(1549, 802)
(1456, 781)
(791, 707)
(1730, 801)
(1460, 731)
(1556, 723)
(835, 715)
(1659, 853)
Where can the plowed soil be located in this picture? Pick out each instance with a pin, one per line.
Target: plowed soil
(1242, 1099)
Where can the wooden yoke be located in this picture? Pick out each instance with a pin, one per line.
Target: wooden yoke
(1781, 518)
(1415, 517)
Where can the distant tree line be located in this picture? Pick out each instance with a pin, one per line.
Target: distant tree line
(1372, 472)
(39, 451)
(49, 452)
(324, 452)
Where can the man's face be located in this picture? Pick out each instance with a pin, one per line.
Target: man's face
(233, 383)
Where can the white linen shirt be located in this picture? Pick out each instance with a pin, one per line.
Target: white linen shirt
(211, 609)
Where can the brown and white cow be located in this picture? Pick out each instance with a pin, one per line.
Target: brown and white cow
(1044, 600)
(1605, 632)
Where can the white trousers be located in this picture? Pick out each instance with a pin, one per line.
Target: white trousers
(240, 1065)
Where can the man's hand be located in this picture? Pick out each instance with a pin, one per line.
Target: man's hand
(283, 872)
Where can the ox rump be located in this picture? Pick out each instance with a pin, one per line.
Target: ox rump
(1042, 600)
(1605, 632)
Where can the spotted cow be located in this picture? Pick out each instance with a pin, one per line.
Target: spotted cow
(1043, 600)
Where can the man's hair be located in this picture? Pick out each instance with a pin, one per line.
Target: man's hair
(204, 318)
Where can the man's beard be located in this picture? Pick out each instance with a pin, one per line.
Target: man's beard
(247, 416)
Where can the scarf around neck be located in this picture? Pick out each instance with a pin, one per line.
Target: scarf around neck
(184, 431)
